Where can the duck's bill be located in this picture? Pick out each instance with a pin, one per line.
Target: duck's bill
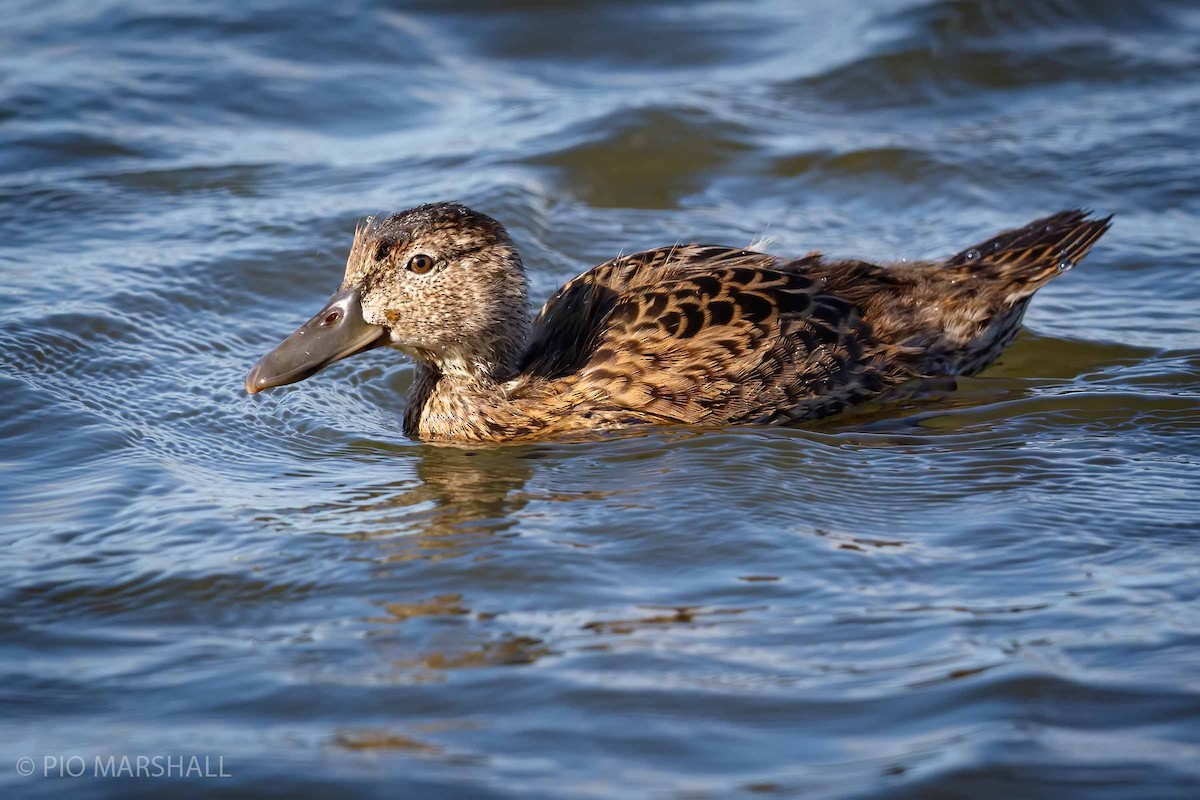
(337, 331)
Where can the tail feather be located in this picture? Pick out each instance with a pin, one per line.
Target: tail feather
(1024, 259)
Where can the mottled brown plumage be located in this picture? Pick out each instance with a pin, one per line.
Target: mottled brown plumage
(691, 334)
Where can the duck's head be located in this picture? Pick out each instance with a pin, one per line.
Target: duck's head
(441, 282)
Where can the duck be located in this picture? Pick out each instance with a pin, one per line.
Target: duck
(687, 334)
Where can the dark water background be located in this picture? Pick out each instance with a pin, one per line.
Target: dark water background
(990, 595)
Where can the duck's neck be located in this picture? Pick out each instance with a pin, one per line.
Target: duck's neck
(459, 400)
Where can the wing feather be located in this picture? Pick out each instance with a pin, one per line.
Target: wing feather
(701, 335)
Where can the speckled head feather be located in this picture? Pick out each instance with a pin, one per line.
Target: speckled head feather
(468, 313)
(690, 334)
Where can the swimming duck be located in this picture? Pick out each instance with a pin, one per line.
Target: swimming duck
(688, 334)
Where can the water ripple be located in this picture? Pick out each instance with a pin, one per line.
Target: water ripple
(982, 593)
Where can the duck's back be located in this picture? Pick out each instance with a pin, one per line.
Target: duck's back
(712, 335)
(699, 335)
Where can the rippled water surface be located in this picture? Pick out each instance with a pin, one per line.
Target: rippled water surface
(991, 594)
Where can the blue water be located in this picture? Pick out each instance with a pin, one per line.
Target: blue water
(989, 594)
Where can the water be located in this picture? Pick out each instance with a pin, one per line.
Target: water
(991, 594)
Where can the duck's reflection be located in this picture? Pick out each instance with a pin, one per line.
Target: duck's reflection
(455, 502)
(461, 503)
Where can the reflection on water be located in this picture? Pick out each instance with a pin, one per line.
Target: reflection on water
(456, 501)
(984, 592)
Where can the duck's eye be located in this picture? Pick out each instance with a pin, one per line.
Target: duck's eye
(331, 318)
(420, 263)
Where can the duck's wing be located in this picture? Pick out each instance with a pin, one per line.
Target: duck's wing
(702, 335)
(567, 329)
